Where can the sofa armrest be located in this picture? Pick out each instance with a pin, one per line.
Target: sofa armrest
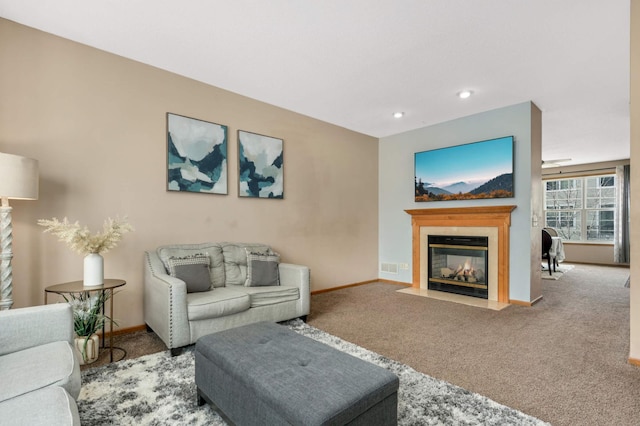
(165, 303)
(299, 276)
(34, 326)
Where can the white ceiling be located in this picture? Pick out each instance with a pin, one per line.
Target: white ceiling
(355, 62)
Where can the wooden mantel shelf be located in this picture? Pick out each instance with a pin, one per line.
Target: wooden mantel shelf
(483, 216)
(463, 210)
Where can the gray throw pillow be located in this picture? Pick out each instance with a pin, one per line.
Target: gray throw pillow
(193, 270)
(262, 269)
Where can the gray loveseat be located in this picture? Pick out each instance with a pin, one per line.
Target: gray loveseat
(39, 366)
(180, 308)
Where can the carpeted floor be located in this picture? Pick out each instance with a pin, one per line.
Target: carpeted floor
(129, 346)
(157, 389)
(564, 360)
(557, 274)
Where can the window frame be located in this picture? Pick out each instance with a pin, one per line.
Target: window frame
(576, 208)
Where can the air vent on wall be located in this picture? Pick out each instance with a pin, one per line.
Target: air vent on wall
(391, 268)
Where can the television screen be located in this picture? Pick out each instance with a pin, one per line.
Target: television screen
(465, 172)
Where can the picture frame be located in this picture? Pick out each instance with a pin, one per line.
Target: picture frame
(196, 155)
(472, 171)
(260, 166)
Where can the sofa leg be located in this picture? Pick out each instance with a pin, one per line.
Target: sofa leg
(176, 351)
(200, 400)
(149, 329)
(303, 318)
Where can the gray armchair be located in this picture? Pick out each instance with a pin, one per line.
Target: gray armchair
(39, 366)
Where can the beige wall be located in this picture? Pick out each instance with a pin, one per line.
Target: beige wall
(598, 254)
(634, 352)
(97, 124)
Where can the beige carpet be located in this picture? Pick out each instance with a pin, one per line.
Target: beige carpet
(564, 360)
(558, 273)
(129, 346)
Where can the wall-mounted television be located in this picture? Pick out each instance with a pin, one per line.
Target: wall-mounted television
(465, 172)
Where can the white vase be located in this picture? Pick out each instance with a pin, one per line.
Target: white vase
(93, 270)
(89, 347)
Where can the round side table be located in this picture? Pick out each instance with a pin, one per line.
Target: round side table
(78, 287)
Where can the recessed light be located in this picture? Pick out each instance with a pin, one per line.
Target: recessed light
(398, 114)
(465, 94)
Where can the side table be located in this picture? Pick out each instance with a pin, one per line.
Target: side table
(78, 287)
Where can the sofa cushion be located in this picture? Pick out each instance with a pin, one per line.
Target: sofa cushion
(49, 406)
(263, 296)
(193, 270)
(51, 364)
(216, 261)
(235, 260)
(262, 269)
(219, 303)
(24, 328)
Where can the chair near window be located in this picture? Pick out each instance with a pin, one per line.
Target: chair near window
(551, 231)
(546, 247)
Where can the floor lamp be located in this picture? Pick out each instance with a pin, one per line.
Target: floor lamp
(18, 181)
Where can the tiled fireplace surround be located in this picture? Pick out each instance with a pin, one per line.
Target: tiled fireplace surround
(491, 221)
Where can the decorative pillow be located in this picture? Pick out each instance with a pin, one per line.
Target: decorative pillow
(193, 270)
(262, 269)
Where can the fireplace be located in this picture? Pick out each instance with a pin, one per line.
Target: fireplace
(459, 264)
(486, 221)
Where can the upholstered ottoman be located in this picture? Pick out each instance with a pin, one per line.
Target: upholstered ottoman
(266, 374)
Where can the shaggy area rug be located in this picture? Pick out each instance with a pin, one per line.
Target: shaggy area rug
(159, 389)
(560, 270)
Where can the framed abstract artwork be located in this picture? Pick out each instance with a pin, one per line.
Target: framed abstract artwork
(261, 166)
(196, 155)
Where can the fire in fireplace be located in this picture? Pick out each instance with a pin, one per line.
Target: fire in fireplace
(458, 264)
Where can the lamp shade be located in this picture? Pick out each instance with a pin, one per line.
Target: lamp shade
(18, 177)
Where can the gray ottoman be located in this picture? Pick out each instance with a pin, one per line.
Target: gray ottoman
(266, 374)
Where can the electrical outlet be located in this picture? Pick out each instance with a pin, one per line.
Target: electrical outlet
(404, 266)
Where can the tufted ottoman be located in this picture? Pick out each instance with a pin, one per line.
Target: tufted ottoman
(266, 374)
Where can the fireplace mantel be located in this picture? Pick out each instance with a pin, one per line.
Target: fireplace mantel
(485, 216)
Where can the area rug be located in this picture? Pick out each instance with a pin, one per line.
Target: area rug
(159, 389)
(560, 270)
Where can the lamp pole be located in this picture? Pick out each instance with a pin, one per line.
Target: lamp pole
(6, 240)
(18, 181)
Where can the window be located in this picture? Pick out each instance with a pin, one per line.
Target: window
(581, 208)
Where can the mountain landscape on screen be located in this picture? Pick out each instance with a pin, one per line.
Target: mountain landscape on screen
(498, 187)
(465, 172)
